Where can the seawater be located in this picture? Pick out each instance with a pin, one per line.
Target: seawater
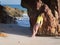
(23, 21)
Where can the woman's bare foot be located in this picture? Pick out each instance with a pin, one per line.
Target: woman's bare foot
(33, 36)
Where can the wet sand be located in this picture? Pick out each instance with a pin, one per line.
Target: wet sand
(18, 35)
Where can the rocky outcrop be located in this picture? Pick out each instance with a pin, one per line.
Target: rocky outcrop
(13, 12)
(8, 14)
(51, 24)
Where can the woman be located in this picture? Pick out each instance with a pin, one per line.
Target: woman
(39, 21)
(38, 24)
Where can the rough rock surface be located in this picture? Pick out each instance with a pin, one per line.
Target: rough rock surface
(51, 24)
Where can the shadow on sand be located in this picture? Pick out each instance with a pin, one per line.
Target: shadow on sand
(18, 30)
(15, 29)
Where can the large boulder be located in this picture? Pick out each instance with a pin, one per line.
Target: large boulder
(51, 24)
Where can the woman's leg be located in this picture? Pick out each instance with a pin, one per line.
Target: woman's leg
(35, 29)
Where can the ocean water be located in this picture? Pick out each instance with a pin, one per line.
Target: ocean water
(23, 21)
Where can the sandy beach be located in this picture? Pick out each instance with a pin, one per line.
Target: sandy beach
(18, 35)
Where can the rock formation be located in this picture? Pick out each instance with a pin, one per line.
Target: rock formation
(8, 14)
(51, 24)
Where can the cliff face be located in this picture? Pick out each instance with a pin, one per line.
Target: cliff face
(51, 24)
(8, 14)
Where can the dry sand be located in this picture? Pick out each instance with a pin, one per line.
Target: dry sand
(18, 35)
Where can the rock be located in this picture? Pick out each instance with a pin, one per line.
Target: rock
(13, 11)
(3, 34)
(8, 14)
(59, 29)
(51, 22)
